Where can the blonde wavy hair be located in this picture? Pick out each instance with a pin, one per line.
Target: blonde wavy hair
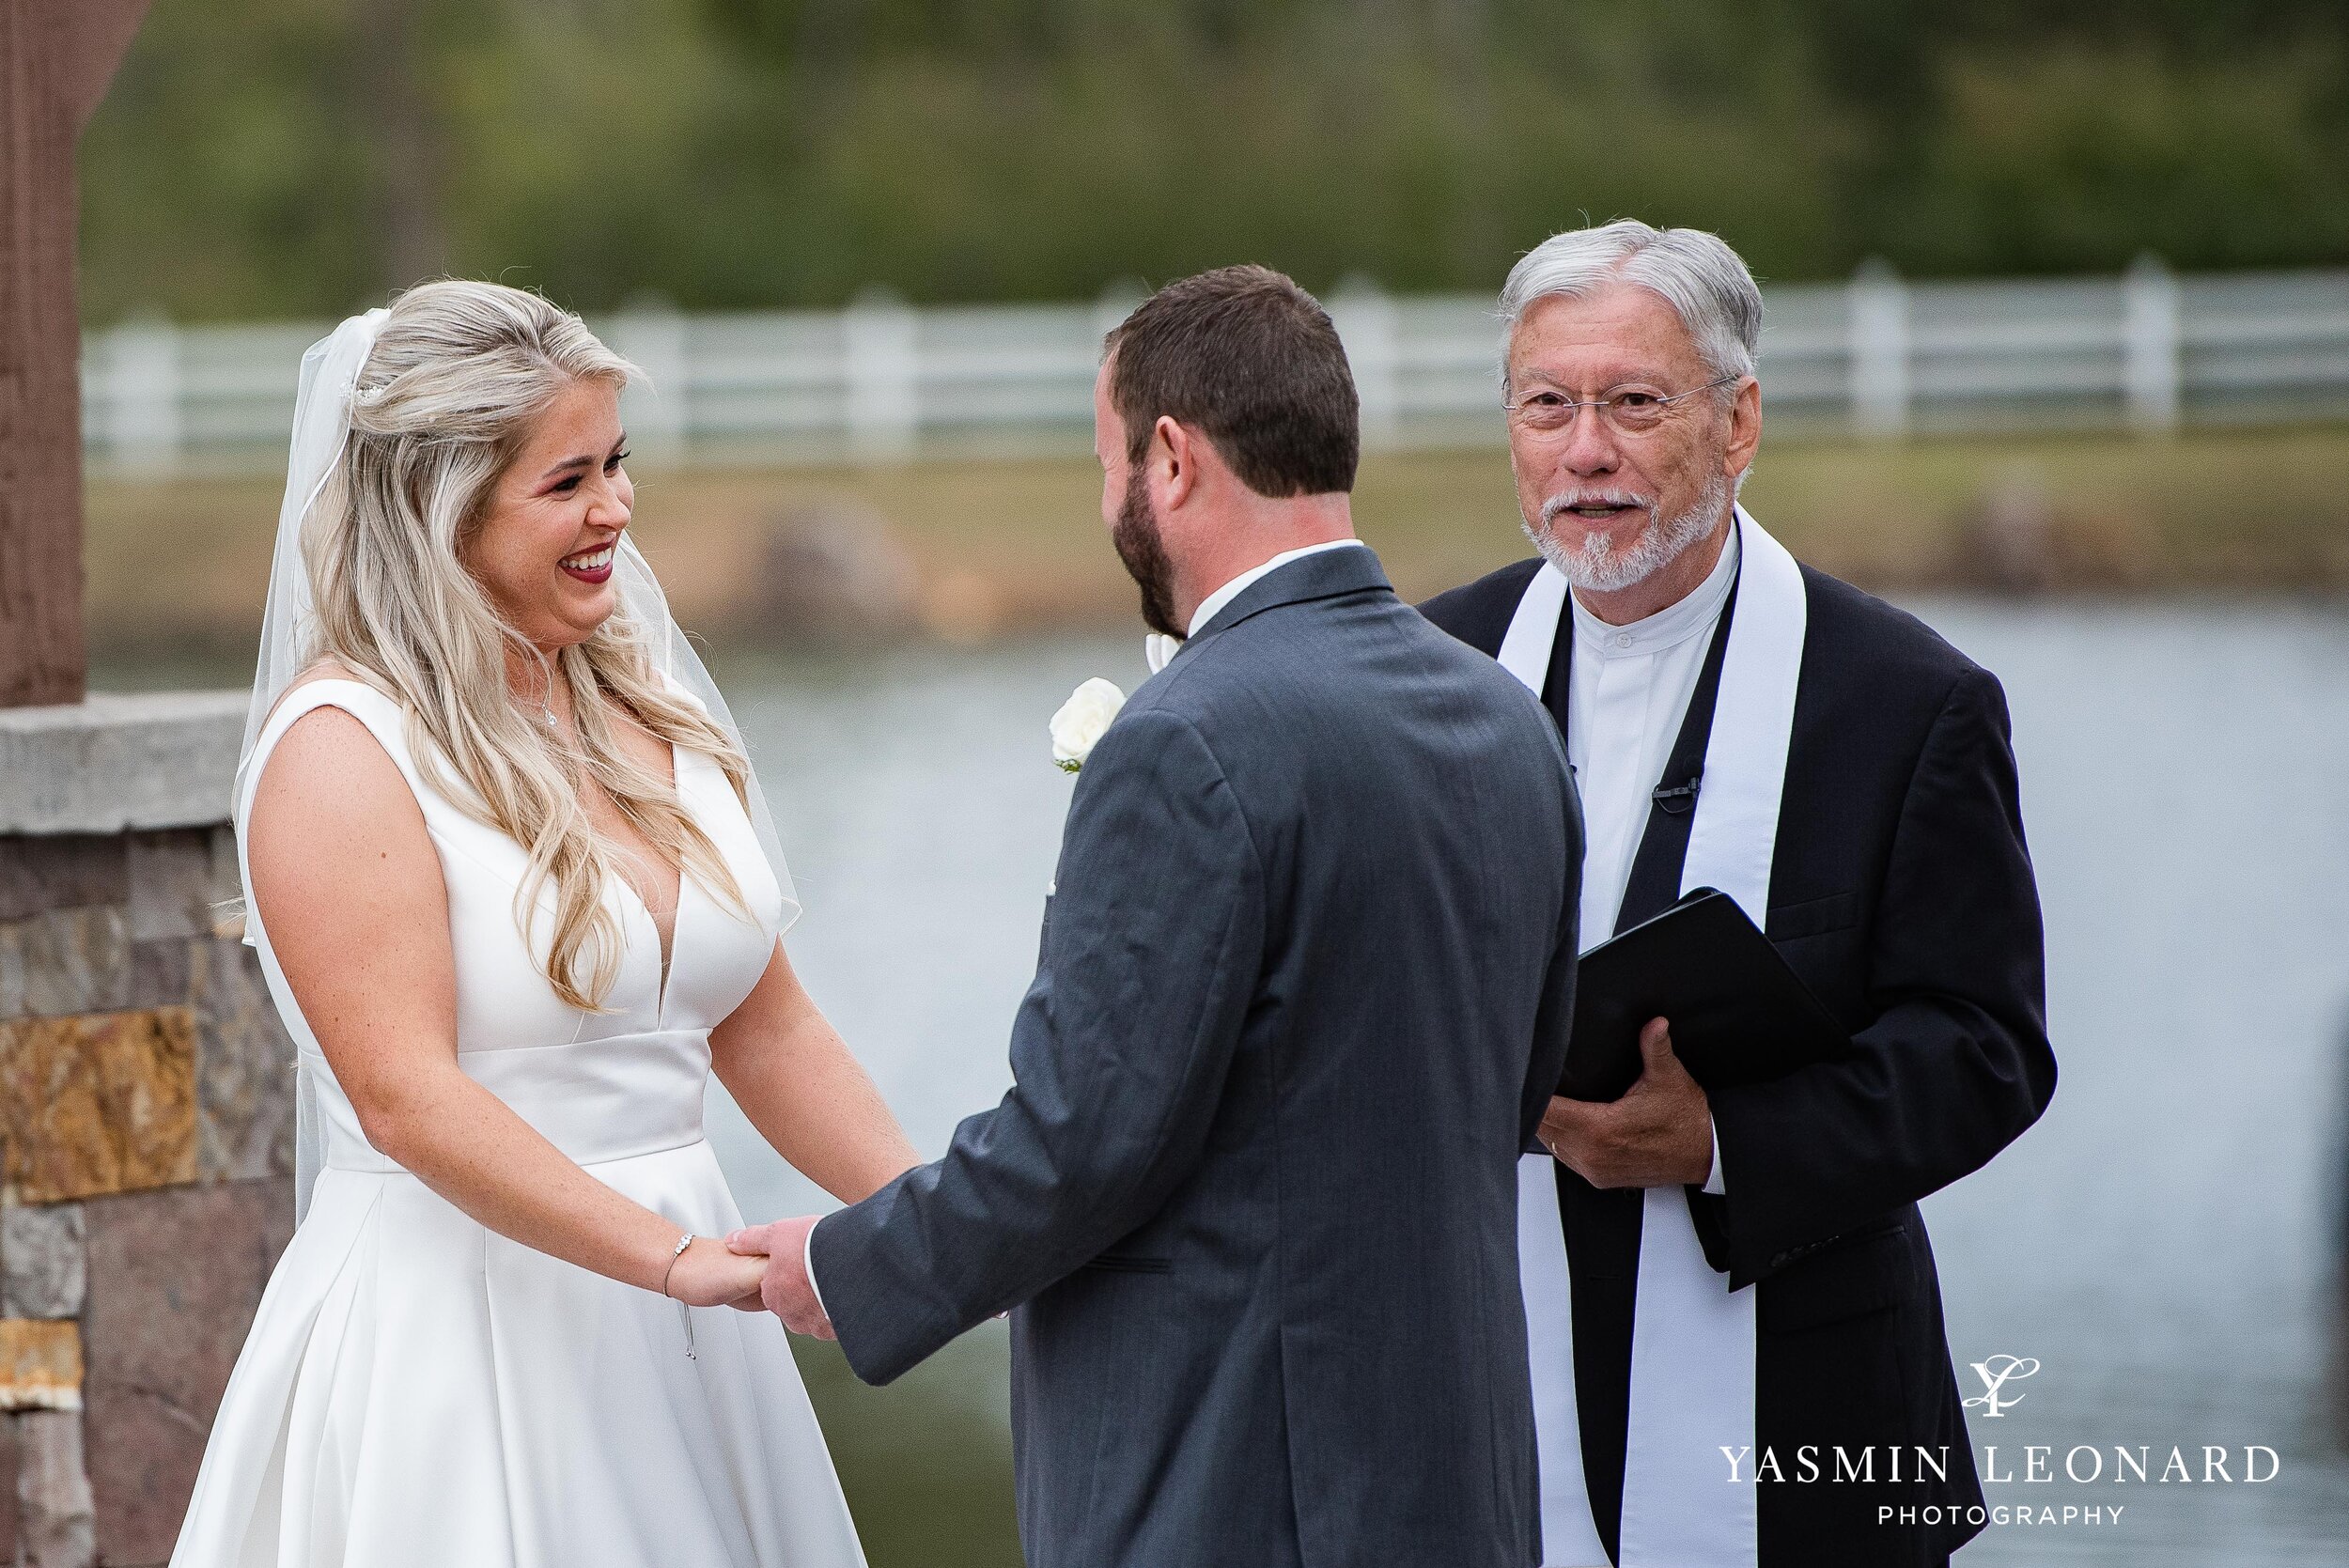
(458, 375)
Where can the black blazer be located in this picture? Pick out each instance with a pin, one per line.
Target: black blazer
(1902, 892)
(1295, 1017)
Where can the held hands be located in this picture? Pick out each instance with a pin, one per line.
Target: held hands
(707, 1275)
(1659, 1134)
(782, 1280)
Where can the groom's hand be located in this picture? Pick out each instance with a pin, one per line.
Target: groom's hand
(787, 1290)
(1659, 1134)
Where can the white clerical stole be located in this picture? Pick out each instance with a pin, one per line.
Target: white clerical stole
(1692, 1372)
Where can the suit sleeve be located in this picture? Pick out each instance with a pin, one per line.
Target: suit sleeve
(1957, 1063)
(1151, 949)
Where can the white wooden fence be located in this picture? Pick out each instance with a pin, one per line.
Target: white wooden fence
(882, 382)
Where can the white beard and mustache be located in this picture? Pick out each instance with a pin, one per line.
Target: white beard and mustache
(1599, 566)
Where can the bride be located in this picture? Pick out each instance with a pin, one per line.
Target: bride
(515, 896)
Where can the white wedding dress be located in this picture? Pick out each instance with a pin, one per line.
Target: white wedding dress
(419, 1391)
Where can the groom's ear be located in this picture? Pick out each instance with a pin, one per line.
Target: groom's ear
(1178, 450)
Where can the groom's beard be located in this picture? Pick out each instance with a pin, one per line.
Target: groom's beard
(1144, 551)
(1599, 568)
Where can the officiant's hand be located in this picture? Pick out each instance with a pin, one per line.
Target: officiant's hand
(1659, 1134)
(785, 1287)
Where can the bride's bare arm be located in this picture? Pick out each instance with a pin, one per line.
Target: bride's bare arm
(789, 1071)
(347, 884)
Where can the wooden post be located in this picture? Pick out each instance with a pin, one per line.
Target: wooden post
(56, 57)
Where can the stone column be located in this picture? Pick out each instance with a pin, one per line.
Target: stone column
(146, 1108)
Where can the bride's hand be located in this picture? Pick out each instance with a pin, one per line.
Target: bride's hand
(707, 1275)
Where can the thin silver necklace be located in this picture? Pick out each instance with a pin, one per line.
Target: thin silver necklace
(540, 702)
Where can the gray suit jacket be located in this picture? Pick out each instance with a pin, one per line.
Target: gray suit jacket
(1304, 991)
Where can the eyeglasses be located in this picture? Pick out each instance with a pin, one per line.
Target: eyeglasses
(1629, 410)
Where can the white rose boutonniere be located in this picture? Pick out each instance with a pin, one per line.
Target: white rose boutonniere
(1081, 721)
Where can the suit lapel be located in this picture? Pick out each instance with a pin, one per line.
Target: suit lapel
(1558, 690)
(1653, 885)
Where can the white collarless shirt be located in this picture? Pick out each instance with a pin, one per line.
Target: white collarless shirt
(1631, 690)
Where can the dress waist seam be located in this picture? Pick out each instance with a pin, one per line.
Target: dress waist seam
(391, 1169)
(479, 1052)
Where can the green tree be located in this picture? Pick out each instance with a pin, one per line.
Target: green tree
(276, 157)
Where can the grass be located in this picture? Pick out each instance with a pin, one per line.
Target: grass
(1010, 547)
(927, 1461)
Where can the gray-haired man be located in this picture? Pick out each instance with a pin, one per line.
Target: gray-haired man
(1734, 1324)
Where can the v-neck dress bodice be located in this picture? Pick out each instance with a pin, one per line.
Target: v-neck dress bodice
(419, 1389)
(600, 1085)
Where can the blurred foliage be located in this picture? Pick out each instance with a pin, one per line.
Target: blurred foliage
(299, 157)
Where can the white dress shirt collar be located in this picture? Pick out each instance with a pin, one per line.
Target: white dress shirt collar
(1159, 649)
(1214, 602)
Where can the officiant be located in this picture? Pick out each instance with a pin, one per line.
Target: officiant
(1720, 1286)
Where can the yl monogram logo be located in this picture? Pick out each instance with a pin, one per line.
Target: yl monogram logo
(1995, 1375)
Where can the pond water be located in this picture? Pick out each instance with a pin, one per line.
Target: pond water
(2163, 1243)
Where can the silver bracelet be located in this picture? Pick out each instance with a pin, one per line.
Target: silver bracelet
(675, 1253)
(683, 1313)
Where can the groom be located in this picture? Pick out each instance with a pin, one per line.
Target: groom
(1303, 994)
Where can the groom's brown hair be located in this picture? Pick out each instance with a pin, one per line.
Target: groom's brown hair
(1245, 356)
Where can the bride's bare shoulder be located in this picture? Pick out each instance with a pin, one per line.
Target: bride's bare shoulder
(329, 777)
(336, 842)
(323, 718)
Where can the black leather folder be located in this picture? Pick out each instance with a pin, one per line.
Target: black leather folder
(1738, 1014)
